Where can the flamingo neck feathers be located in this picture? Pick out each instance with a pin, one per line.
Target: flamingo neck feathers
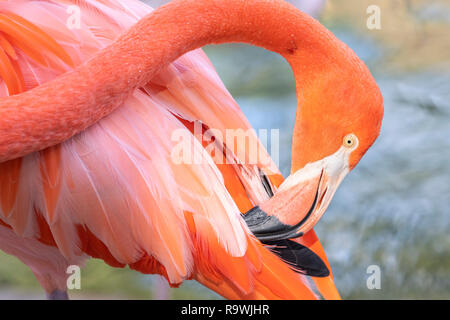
(57, 110)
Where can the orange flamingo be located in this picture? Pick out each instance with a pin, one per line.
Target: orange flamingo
(85, 144)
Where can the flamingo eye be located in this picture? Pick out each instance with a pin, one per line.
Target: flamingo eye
(350, 140)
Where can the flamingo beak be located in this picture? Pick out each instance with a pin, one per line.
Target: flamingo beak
(318, 181)
(300, 201)
(295, 208)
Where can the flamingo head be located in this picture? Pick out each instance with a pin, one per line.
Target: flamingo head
(338, 118)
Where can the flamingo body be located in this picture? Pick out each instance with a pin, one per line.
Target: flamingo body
(88, 169)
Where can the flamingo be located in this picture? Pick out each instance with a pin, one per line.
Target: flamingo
(86, 144)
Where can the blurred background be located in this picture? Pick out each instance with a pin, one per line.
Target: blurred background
(393, 209)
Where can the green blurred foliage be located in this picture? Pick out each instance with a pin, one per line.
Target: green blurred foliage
(98, 281)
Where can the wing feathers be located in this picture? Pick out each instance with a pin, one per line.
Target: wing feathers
(114, 191)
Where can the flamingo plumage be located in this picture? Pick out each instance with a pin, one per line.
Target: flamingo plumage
(86, 151)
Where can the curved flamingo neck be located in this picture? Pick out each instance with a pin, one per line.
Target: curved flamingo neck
(54, 112)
